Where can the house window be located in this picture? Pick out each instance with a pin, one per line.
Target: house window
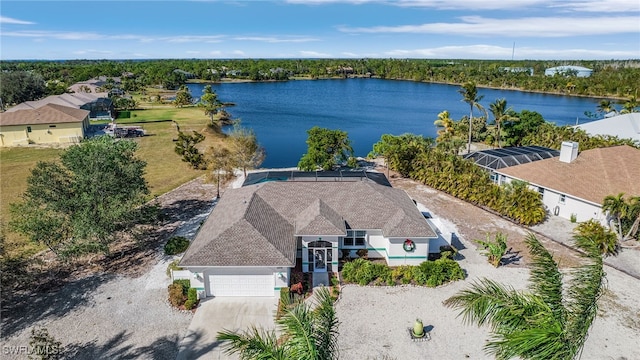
(563, 198)
(541, 191)
(354, 238)
(28, 129)
(52, 126)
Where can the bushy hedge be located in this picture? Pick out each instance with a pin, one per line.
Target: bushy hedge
(429, 273)
(176, 245)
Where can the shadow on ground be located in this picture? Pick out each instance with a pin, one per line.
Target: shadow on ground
(183, 210)
(165, 347)
(23, 310)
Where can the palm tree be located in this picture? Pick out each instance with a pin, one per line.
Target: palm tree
(469, 93)
(307, 333)
(547, 322)
(500, 113)
(618, 209)
(630, 105)
(605, 106)
(445, 126)
(634, 208)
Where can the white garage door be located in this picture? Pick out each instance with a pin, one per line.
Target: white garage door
(241, 285)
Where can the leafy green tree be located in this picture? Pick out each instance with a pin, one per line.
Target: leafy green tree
(519, 125)
(21, 86)
(221, 162)
(547, 322)
(469, 93)
(245, 148)
(326, 149)
(501, 113)
(400, 151)
(186, 147)
(77, 205)
(183, 97)
(494, 249)
(606, 239)
(306, 333)
(211, 105)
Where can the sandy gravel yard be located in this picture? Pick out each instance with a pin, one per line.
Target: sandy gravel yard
(374, 320)
(117, 308)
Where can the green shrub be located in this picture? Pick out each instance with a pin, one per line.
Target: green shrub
(44, 346)
(403, 273)
(363, 272)
(188, 305)
(438, 272)
(192, 295)
(173, 266)
(334, 280)
(176, 295)
(573, 218)
(176, 245)
(606, 239)
(185, 283)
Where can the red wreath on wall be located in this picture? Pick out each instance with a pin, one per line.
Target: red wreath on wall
(409, 245)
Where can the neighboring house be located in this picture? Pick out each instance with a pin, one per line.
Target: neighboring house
(494, 159)
(99, 105)
(577, 184)
(257, 234)
(625, 126)
(578, 71)
(48, 124)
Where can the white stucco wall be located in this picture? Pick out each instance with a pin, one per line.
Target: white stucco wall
(397, 256)
(583, 210)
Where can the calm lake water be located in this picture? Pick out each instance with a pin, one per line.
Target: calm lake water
(280, 113)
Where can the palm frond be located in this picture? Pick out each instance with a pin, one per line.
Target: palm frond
(487, 302)
(585, 288)
(252, 344)
(325, 325)
(297, 323)
(543, 342)
(545, 278)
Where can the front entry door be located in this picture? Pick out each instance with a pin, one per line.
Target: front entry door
(320, 260)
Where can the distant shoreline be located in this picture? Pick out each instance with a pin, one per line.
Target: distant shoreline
(240, 81)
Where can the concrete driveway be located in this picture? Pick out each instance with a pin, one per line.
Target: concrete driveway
(227, 313)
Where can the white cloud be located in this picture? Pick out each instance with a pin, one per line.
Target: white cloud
(481, 51)
(238, 52)
(271, 39)
(573, 5)
(93, 51)
(8, 20)
(522, 27)
(314, 54)
(191, 38)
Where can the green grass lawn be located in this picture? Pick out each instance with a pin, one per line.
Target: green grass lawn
(165, 169)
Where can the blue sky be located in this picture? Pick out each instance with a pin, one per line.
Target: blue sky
(433, 29)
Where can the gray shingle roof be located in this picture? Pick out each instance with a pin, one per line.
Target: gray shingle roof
(256, 225)
(319, 219)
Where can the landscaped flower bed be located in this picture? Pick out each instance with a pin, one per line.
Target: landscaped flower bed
(429, 273)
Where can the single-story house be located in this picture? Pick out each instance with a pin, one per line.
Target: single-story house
(494, 159)
(48, 124)
(575, 184)
(99, 105)
(257, 234)
(624, 126)
(566, 70)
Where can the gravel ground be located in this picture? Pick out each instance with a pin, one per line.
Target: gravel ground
(116, 314)
(374, 320)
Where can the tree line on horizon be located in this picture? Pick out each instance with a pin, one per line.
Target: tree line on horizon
(610, 78)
